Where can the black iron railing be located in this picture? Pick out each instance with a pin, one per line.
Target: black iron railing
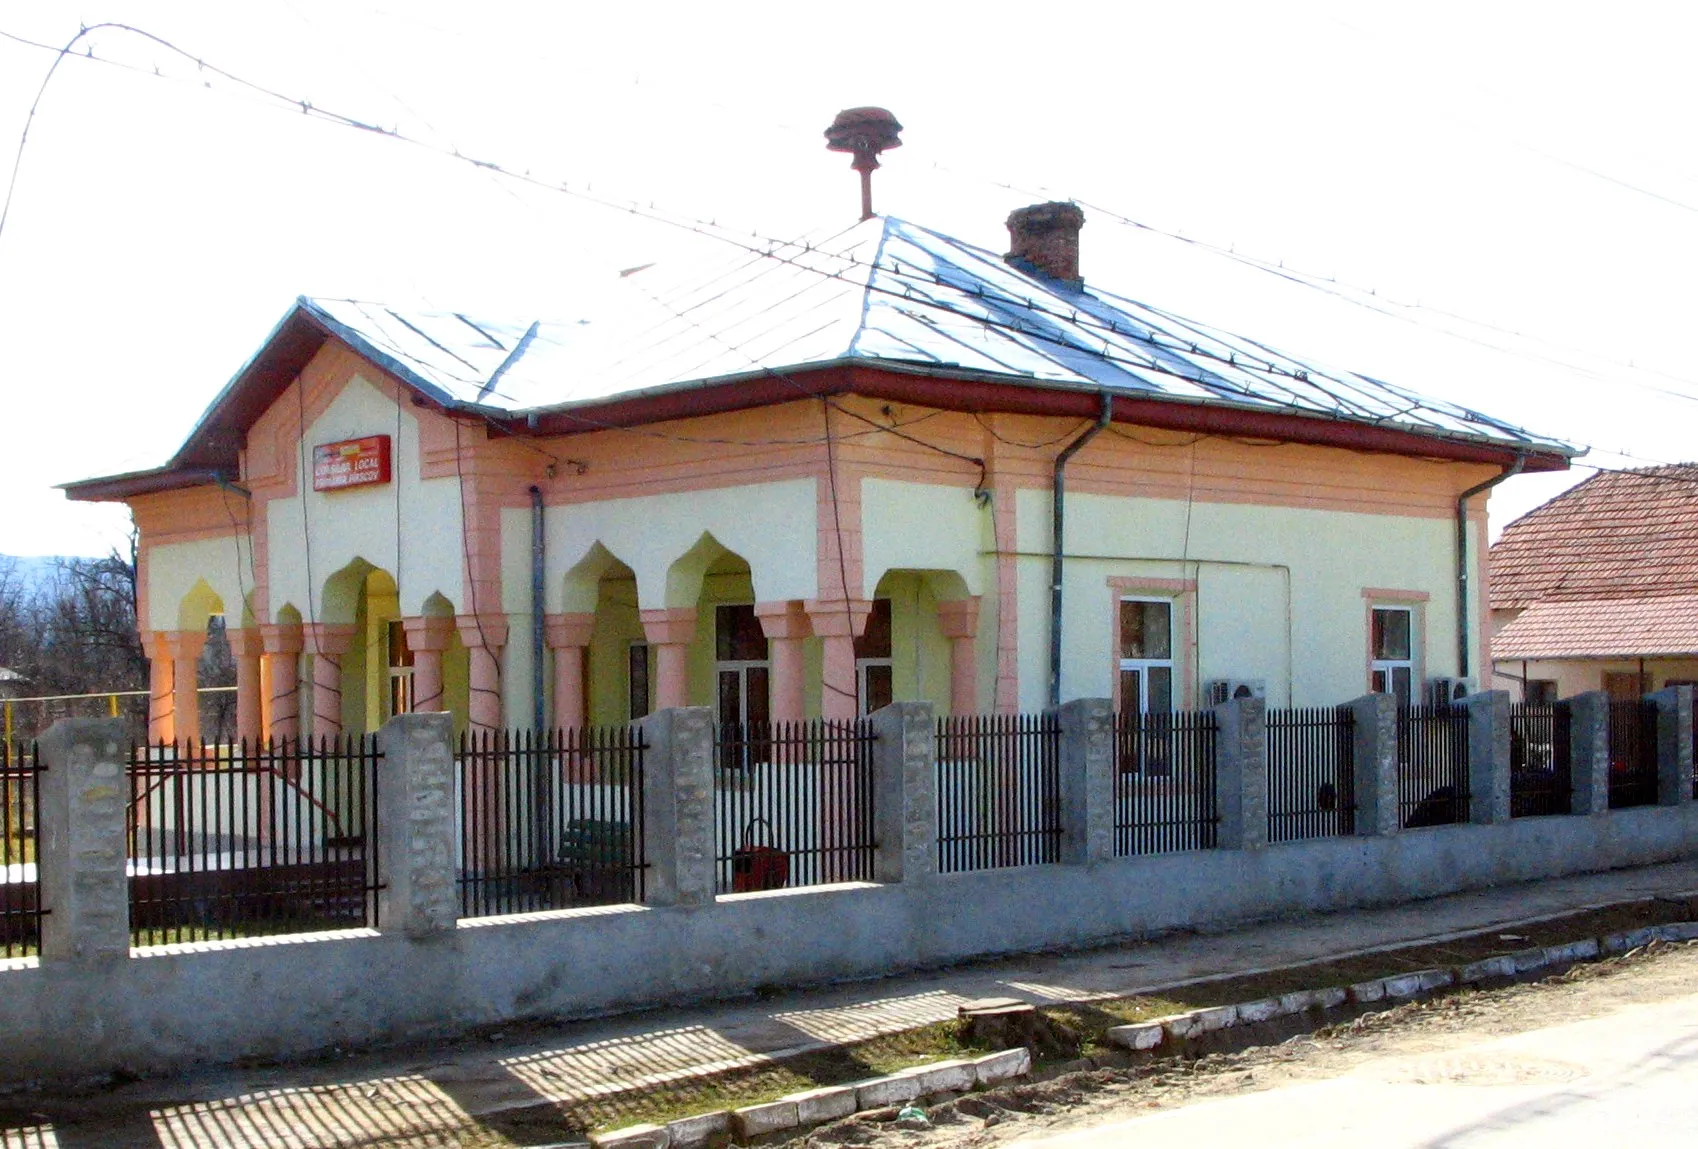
(1633, 753)
(244, 840)
(20, 874)
(1540, 781)
(1164, 782)
(998, 791)
(1311, 773)
(550, 821)
(1432, 766)
(793, 804)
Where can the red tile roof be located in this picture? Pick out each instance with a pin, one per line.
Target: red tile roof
(1602, 628)
(1619, 534)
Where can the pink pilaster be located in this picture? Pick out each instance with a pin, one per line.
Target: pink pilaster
(160, 724)
(669, 630)
(568, 636)
(247, 647)
(428, 639)
(958, 620)
(483, 635)
(183, 647)
(838, 623)
(283, 656)
(327, 643)
(785, 625)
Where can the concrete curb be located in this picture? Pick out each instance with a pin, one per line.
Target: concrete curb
(1144, 1036)
(817, 1106)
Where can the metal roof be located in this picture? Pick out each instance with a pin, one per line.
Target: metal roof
(882, 292)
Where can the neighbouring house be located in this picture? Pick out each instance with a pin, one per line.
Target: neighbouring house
(888, 466)
(1598, 588)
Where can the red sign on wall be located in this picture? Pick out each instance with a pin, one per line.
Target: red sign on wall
(351, 463)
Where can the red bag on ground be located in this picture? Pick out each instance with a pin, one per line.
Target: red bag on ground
(758, 867)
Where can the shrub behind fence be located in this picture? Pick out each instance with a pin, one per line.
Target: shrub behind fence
(998, 791)
(1311, 773)
(793, 804)
(1432, 766)
(1164, 782)
(1633, 753)
(243, 840)
(20, 877)
(1540, 778)
(550, 821)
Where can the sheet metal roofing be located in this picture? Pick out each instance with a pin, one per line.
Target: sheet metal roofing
(883, 292)
(1602, 628)
(1619, 534)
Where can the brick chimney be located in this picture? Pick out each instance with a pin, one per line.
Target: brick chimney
(1044, 240)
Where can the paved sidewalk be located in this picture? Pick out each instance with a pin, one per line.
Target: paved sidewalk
(449, 1085)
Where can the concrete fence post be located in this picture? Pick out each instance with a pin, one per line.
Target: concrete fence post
(82, 842)
(678, 806)
(1674, 745)
(1087, 780)
(1488, 757)
(904, 792)
(1375, 720)
(1241, 773)
(1589, 752)
(417, 826)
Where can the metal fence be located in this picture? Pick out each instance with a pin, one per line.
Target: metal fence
(1633, 753)
(1311, 773)
(998, 791)
(1164, 782)
(245, 840)
(550, 821)
(1432, 766)
(793, 804)
(1540, 777)
(20, 877)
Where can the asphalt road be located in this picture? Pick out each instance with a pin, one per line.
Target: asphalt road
(1627, 1076)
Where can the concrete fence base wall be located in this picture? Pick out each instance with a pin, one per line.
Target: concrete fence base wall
(215, 1002)
(93, 1010)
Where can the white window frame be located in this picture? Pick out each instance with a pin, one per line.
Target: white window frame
(1390, 666)
(1144, 665)
(740, 667)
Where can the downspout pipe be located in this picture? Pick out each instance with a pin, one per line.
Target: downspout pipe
(539, 697)
(1462, 635)
(1058, 523)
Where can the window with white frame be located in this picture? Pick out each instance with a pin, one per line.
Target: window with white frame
(1146, 655)
(873, 673)
(1392, 653)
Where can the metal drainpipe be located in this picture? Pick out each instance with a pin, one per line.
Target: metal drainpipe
(1058, 492)
(1462, 558)
(539, 698)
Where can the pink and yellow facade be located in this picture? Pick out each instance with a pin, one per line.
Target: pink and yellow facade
(785, 544)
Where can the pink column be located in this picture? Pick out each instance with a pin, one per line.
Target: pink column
(283, 654)
(247, 646)
(428, 638)
(569, 637)
(669, 630)
(958, 620)
(785, 625)
(160, 724)
(837, 623)
(184, 647)
(484, 635)
(327, 643)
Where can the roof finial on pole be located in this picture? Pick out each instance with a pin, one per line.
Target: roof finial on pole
(866, 132)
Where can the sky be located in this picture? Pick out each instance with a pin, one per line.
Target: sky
(1491, 203)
